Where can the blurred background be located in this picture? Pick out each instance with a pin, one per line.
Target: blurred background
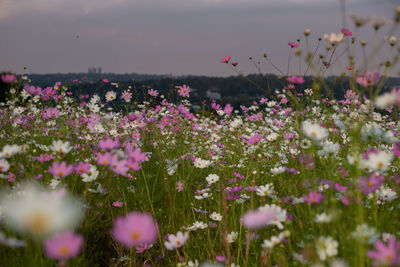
(176, 37)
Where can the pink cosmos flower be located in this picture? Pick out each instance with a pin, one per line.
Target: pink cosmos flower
(152, 92)
(228, 109)
(134, 229)
(60, 170)
(372, 184)
(340, 188)
(346, 32)
(117, 204)
(104, 159)
(127, 96)
(142, 248)
(135, 154)
(63, 246)
(368, 78)
(104, 80)
(225, 59)
(313, 197)
(179, 186)
(296, 80)
(385, 254)
(396, 149)
(119, 166)
(234, 64)
(183, 90)
(108, 144)
(8, 78)
(256, 219)
(82, 167)
(293, 44)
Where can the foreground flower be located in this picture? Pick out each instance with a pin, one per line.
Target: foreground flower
(326, 247)
(134, 229)
(176, 241)
(8, 78)
(386, 255)
(63, 246)
(314, 130)
(368, 78)
(40, 213)
(259, 218)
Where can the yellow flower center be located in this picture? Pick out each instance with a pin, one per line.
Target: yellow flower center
(64, 250)
(38, 223)
(135, 235)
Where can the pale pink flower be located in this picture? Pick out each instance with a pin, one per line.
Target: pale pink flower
(368, 78)
(63, 246)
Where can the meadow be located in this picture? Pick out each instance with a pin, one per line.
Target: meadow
(296, 179)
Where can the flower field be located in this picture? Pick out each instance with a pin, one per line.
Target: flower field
(296, 179)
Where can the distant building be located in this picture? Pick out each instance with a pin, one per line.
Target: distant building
(213, 95)
(94, 70)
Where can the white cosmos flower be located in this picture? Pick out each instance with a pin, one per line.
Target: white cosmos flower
(386, 100)
(9, 150)
(176, 241)
(326, 247)
(230, 238)
(60, 147)
(314, 130)
(379, 161)
(40, 213)
(278, 170)
(333, 38)
(201, 163)
(212, 178)
(265, 190)
(280, 214)
(90, 175)
(323, 218)
(216, 216)
(4, 165)
(110, 95)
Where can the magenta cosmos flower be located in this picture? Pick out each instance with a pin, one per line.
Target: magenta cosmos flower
(255, 219)
(368, 78)
(225, 59)
(372, 184)
(134, 229)
(386, 255)
(63, 246)
(313, 197)
(8, 78)
(293, 44)
(295, 79)
(396, 149)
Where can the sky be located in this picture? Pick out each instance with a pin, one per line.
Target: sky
(178, 37)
